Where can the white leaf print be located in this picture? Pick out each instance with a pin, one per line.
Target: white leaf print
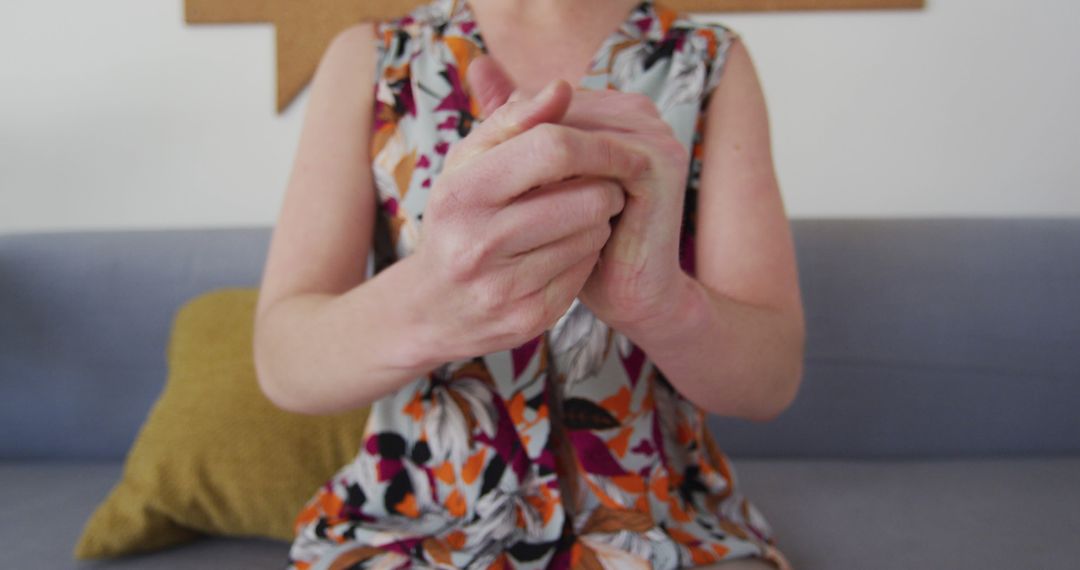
(479, 397)
(757, 521)
(611, 558)
(530, 486)
(534, 523)
(667, 409)
(687, 76)
(578, 342)
(612, 490)
(628, 65)
(446, 429)
(653, 545)
(731, 507)
(445, 422)
(665, 555)
(495, 526)
(624, 344)
(626, 541)
(389, 561)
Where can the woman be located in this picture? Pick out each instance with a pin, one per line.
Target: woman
(604, 259)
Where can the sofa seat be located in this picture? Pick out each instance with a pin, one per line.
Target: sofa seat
(827, 514)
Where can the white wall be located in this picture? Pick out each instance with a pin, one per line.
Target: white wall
(116, 114)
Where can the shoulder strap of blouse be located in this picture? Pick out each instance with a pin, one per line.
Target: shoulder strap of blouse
(722, 39)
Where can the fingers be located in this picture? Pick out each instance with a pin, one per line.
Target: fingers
(560, 292)
(557, 210)
(612, 110)
(488, 83)
(534, 269)
(509, 120)
(542, 308)
(544, 154)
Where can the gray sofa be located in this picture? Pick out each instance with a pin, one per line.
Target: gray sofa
(938, 425)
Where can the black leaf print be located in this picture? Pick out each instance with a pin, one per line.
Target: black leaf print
(356, 497)
(580, 413)
(536, 401)
(402, 42)
(529, 551)
(421, 453)
(400, 486)
(391, 445)
(350, 533)
(320, 527)
(691, 484)
(492, 474)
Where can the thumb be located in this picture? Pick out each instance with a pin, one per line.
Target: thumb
(489, 83)
(510, 118)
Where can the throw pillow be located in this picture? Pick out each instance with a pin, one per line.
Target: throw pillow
(215, 456)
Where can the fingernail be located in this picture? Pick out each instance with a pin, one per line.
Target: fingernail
(547, 92)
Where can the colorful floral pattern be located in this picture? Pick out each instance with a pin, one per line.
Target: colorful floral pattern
(468, 467)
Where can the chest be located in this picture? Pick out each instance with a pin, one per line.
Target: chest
(426, 109)
(533, 63)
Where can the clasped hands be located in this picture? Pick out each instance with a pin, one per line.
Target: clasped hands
(562, 194)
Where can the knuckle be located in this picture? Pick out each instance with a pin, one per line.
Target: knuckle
(594, 203)
(545, 133)
(553, 145)
(528, 318)
(616, 197)
(601, 236)
(493, 242)
(608, 154)
(448, 191)
(492, 296)
(512, 281)
(675, 150)
(638, 164)
(484, 248)
(594, 240)
(641, 103)
(467, 255)
(628, 160)
(545, 316)
(506, 117)
(516, 95)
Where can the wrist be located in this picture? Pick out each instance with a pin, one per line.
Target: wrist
(683, 307)
(421, 349)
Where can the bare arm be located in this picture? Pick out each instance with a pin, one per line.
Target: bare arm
(327, 340)
(316, 348)
(733, 338)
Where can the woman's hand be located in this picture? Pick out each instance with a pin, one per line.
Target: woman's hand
(639, 265)
(509, 237)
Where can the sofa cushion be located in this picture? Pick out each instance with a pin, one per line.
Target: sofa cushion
(215, 456)
(886, 515)
(902, 515)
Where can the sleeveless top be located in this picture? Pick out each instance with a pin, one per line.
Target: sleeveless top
(468, 466)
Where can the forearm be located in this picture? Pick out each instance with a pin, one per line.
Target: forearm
(323, 353)
(728, 357)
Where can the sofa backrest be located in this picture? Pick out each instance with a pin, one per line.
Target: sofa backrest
(932, 338)
(925, 337)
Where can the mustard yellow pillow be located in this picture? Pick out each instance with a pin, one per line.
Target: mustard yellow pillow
(215, 456)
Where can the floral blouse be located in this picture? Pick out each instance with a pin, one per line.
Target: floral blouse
(572, 450)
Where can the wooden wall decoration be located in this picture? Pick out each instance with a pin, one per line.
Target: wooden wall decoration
(304, 28)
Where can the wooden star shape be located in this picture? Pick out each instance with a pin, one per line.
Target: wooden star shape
(304, 28)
